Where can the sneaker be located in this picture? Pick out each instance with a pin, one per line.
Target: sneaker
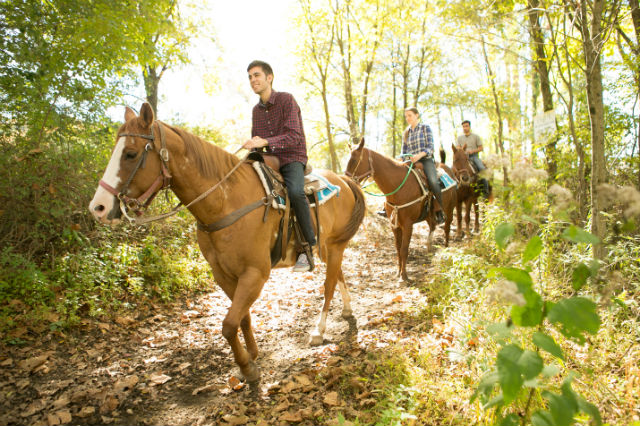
(382, 213)
(440, 218)
(302, 265)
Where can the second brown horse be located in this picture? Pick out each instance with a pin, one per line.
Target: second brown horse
(389, 175)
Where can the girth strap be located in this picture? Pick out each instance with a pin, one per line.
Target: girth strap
(233, 217)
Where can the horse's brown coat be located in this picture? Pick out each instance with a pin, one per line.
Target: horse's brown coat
(388, 174)
(239, 255)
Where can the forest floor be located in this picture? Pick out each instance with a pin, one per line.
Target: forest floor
(171, 365)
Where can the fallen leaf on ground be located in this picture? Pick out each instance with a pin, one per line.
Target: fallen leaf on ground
(291, 417)
(235, 420)
(331, 398)
(159, 379)
(31, 364)
(303, 379)
(235, 383)
(126, 384)
(205, 388)
(86, 411)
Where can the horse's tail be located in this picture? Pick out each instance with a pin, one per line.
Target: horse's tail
(443, 156)
(357, 215)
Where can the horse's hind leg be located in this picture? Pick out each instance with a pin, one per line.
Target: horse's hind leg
(347, 312)
(334, 261)
(249, 338)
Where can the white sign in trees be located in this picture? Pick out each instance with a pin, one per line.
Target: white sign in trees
(544, 125)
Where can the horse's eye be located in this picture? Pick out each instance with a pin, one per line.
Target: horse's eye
(130, 155)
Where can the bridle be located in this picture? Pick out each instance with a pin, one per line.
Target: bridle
(366, 175)
(163, 181)
(465, 172)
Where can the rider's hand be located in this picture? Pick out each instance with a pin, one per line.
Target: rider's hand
(416, 158)
(255, 142)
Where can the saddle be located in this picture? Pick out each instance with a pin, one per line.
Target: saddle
(267, 167)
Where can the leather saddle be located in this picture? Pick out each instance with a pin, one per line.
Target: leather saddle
(288, 224)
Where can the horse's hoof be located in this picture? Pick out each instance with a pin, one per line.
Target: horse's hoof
(315, 339)
(251, 373)
(347, 313)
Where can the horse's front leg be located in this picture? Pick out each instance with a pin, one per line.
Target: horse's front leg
(459, 218)
(249, 338)
(476, 210)
(397, 236)
(247, 291)
(407, 230)
(467, 217)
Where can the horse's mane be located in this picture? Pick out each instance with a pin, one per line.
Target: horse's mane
(211, 160)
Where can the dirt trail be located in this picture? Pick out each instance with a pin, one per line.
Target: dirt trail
(172, 365)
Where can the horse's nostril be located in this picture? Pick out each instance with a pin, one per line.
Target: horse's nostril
(99, 208)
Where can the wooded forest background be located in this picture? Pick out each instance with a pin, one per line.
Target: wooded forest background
(65, 63)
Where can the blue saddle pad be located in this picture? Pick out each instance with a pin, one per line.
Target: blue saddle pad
(446, 182)
(320, 185)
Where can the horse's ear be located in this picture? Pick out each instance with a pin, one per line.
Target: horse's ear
(453, 147)
(361, 144)
(146, 115)
(129, 114)
(464, 147)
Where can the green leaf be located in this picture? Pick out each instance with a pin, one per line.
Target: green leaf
(498, 400)
(532, 250)
(500, 330)
(591, 410)
(529, 315)
(510, 378)
(550, 370)
(510, 420)
(516, 275)
(579, 235)
(547, 343)
(486, 385)
(579, 276)
(575, 316)
(562, 408)
(530, 364)
(503, 231)
(542, 418)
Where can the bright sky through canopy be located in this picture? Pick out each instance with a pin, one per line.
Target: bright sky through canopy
(214, 89)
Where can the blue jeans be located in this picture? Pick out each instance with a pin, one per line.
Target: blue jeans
(429, 167)
(293, 175)
(477, 162)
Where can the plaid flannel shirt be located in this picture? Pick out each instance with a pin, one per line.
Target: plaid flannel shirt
(419, 140)
(279, 122)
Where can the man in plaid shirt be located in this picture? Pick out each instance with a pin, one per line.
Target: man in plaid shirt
(277, 125)
(417, 142)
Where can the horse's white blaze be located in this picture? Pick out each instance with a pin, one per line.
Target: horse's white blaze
(102, 197)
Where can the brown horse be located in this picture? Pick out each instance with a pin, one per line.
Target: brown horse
(468, 189)
(239, 254)
(405, 206)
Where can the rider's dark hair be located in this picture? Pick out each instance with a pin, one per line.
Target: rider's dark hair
(466, 121)
(266, 68)
(413, 110)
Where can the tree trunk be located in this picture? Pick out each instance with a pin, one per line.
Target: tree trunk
(496, 103)
(591, 41)
(635, 17)
(151, 82)
(542, 70)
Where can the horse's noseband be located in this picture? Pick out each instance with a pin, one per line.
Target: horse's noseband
(161, 182)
